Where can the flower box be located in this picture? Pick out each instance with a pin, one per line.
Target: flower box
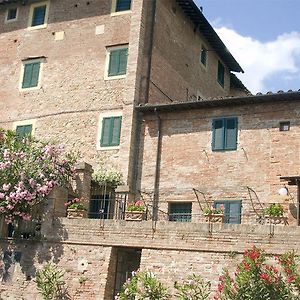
(276, 220)
(214, 218)
(76, 213)
(135, 215)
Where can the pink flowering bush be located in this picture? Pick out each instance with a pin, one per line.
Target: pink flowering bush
(29, 170)
(256, 280)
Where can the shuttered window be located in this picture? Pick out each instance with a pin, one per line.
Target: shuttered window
(232, 210)
(23, 130)
(117, 62)
(31, 75)
(203, 56)
(221, 74)
(122, 5)
(38, 17)
(12, 14)
(111, 131)
(224, 134)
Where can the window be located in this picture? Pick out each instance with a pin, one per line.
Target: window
(232, 210)
(180, 212)
(203, 56)
(38, 15)
(12, 14)
(111, 131)
(31, 73)
(224, 136)
(121, 5)
(23, 130)
(221, 73)
(284, 126)
(117, 61)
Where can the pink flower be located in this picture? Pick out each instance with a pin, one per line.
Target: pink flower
(6, 187)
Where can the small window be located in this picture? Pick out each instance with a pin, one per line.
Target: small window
(38, 15)
(180, 212)
(12, 14)
(31, 73)
(232, 210)
(203, 56)
(284, 126)
(224, 134)
(117, 65)
(23, 130)
(121, 5)
(111, 131)
(221, 74)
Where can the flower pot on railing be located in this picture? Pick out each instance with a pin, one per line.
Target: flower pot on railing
(214, 218)
(76, 213)
(275, 215)
(135, 215)
(276, 220)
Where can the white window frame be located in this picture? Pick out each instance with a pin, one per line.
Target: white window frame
(41, 60)
(107, 114)
(32, 7)
(31, 122)
(11, 20)
(108, 50)
(117, 13)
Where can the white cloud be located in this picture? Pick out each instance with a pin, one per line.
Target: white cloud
(261, 60)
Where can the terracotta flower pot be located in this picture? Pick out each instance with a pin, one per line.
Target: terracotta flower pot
(76, 213)
(135, 215)
(214, 218)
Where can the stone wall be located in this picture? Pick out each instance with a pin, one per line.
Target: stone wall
(263, 155)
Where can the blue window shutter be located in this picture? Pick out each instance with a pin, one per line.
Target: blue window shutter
(116, 131)
(232, 210)
(38, 17)
(231, 134)
(123, 5)
(23, 130)
(218, 134)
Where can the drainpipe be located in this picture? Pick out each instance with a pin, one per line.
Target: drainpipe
(157, 167)
(151, 38)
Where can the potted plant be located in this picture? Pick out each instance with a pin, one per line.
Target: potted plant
(214, 214)
(135, 211)
(76, 209)
(275, 214)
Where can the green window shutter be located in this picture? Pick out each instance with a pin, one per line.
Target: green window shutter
(231, 134)
(111, 131)
(113, 63)
(116, 131)
(106, 129)
(218, 134)
(31, 75)
(232, 210)
(23, 130)
(118, 62)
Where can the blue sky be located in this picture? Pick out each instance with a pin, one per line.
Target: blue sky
(264, 36)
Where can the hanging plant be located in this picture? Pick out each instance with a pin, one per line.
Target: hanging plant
(109, 177)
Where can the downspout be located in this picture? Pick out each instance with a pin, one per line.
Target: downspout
(157, 167)
(151, 38)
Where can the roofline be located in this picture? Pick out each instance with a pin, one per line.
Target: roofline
(201, 23)
(221, 102)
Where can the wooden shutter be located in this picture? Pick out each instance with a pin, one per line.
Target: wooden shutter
(38, 17)
(231, 134)
(122, 61)
(105, 134)
(27, 75)
(218, 134)
(116, 131)
(113, 63)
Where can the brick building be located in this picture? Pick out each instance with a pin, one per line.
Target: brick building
(145, 87)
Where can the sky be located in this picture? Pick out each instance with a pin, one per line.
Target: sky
(263, 36)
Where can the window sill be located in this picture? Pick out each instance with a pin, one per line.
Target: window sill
(115, 77)
(29, 89)
(10, 21)
(30, 28)
(99, 148)
(120, 13)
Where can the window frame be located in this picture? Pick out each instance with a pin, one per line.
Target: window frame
(109, 114)
(114, 11)
(202, 51)
(227, 204)
(25, 62)
(107, 62)
(221, 67)
(31, 122)
(225, 147)
(31, 14)
(187, 218)
(7, 14)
